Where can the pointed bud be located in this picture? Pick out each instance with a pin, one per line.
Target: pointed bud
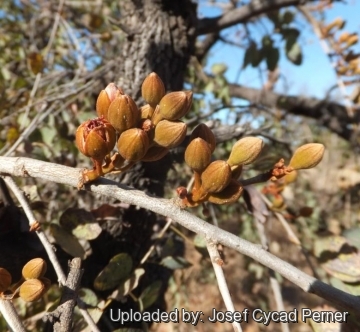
(95, 138)
(198, 155)
(105, 98)
(146, 111)
(133, 144)
(34, 269)
(155, 153)
(5, 279)
(153, 89)
(170, 133)
(245, 151)
(175, 105)
(307, 156)
(204, 132)
(123, 113)
(156, 117)
(230, 194)
(112, 90)
(32, 290)
(216, 177)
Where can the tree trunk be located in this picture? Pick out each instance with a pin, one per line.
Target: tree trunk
(160, 38)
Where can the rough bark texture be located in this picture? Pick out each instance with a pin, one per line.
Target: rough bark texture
(160, 38)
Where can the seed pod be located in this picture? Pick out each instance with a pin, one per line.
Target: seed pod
(198, 155)
(307, 156)
(153, 89)
(245, 151)
(216, 177)
(175, 105)
(204, 132)
(123, 113)
(169, 133)
(95, 138)
(133, 144)
(230, 194)
(5, 279)
(32, 290)
(105, 98)
(155, 153)
(34, 269)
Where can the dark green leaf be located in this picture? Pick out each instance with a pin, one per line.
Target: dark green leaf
(272, 58)
(88, 296)
(259, 56)
(293, 53)
(287, 17)
(150, 294)
(130, 284)
(67, 241)
(275, 18)
(290, 34)
(81, 223)
(175, 263)
(250, 54)
(267, 42)
(117, 271)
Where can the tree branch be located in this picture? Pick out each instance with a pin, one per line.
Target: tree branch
(11, 316)
(327, 113)
(70, 176)
(243, 14)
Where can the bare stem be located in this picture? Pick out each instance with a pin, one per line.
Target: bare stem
(43, 238)
(223, 287)
(10, 315)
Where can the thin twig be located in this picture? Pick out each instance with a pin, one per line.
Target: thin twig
(217, 262)
(11, 316)
(43, 238)
(170, 208)
(161, 234)
(291, 235)
(273, 281)
(88, 319)
(41, 235)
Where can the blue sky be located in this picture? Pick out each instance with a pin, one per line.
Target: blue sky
(313, 78)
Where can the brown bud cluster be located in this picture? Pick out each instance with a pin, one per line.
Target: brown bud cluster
(35, 285)
(142, 134)
(31, 287)
(213, 181)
